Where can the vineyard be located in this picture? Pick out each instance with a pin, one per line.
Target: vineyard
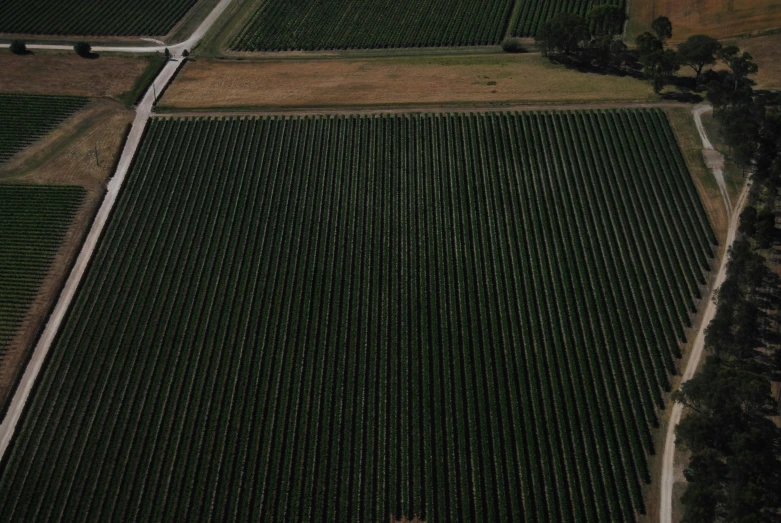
(33, 222)
(93, 17)
(460, 317)
(533, 13)
(25, 118)
(310, 25)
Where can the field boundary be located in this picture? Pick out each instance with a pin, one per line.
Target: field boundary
(497, 107)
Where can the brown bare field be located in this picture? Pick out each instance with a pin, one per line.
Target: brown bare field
(50, 73)
(66, 156)
(397, 82)
(717, 18)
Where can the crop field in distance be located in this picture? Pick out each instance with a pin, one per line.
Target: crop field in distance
(310, 25)
(533, 13)
(33, 222)
(459, 317)
(25, 118)
(92, 17)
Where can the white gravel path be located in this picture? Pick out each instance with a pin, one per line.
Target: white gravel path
(175, 49)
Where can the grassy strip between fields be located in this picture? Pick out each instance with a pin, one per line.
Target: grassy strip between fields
(403, 81)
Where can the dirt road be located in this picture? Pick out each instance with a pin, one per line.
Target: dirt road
(668, 457)
(143, 113)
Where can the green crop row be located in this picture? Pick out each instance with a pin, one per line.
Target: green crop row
(25, 118)
(282, 25)
(93, 18)
(33, 222)
(462, 317)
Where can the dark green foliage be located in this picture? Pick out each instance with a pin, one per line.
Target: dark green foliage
(18, 47)
(605, 18)
(648, 43)
(83, 49)
(33, 221)
(533, 14)
(512, 45)
(662, 28)
(698, 52)
(461, 317)
(282, 25)
(24, 118)
(734, 470)
(93, 17)
(660, 67)
(565, 33)
(735, 473)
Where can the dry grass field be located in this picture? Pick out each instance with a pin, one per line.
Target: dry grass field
(718, 18)
(43, 73)
(394, 82)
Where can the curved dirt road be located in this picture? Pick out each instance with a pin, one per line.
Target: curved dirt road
(175, 49)
(668, 458)
(713, 158)
(143, 112)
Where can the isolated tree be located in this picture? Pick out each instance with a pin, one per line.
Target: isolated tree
(698, 52)
(185, 53)
(18, 47)
(741, 64)
(663, 28)
(564, 33)
(606, 19)
(83, 49)
(512, 45)
(167, 53)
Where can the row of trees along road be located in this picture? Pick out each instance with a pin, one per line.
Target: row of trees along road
(734, 472)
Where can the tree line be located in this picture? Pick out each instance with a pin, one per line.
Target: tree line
(734, 473)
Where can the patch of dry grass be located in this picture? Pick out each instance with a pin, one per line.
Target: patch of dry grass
(455, 80)
(50, 73)
(717, 18)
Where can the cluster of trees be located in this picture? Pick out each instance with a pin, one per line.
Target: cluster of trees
(588, 39)
(592, 40)
(734, 473)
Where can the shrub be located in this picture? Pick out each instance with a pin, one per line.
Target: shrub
(18, 47)
(83, 49)
(512, 45)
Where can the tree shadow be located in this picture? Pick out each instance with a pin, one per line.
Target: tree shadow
(685, 97)
(593, 63)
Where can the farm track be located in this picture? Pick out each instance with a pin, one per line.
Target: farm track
(346, 318)
(143, 113)
(668, 456)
